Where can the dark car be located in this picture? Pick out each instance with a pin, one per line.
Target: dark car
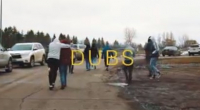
(171, 51)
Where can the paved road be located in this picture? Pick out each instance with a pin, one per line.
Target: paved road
(27, 89)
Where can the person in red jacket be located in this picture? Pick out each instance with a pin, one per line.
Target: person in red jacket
(65, 61)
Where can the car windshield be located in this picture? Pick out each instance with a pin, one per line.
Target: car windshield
(171, 48)
(22, 47)
(74, 46)
(194, 46)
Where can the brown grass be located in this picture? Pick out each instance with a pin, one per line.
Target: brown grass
(179, 60)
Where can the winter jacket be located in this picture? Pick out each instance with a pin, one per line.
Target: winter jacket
(55, 48)
(153, 50)
(65, 56)
(104, 52)
(94, 51)
(128, 53)
(86, 52)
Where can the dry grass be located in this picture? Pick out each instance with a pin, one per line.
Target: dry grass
(179, 60)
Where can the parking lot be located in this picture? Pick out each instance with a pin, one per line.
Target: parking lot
(27, 89)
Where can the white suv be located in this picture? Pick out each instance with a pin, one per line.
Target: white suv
(5, 59)
(194, 49)
(28, 53)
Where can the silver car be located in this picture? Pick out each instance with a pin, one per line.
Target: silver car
(5, 59)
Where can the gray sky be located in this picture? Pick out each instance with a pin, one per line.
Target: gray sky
(105, 18)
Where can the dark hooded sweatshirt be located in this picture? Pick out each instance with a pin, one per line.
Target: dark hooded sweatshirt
(94, 51)
(86, 52)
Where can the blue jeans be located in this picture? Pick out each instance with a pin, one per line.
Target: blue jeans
(63, 74)
(94, 61)
(87, 63)
(153, 63)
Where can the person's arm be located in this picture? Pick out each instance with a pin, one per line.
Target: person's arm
(61, 45)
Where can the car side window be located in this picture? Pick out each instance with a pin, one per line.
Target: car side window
(35, 46)
(41, 47)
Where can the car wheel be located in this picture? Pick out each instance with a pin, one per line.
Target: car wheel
(9, 66)
(43, 61)
(32, 62)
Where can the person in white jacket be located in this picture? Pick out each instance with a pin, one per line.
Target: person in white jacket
(53, 60)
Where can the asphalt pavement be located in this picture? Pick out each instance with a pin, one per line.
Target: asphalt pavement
(27, 89)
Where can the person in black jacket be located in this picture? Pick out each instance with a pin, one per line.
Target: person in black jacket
(86, 56)
(147, 49)
(94, 55)
(154, 54)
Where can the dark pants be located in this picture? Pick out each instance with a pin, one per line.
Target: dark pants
(53, 64)
(128, 71)
(148, 65)
(105, 62)
(71, 67)
(63, 74)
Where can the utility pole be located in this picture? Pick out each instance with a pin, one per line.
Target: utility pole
(1, 24)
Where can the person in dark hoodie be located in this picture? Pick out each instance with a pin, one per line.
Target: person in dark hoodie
(94, 54)
(65, 61)
(147, 49)
(105, 54)
(86, 57)
(154, 54)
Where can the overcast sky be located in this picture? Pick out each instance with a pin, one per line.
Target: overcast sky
(105, 18)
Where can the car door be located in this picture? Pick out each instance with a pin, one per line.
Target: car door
(3, 60)
(41, 52)
(35, 52)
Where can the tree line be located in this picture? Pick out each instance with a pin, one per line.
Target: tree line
(167, 39)
(10, 36)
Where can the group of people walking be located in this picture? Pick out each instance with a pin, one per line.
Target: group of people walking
(95, 54)
(60, 58)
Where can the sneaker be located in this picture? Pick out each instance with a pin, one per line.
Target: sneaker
(62, 87)
(159, 72)
(158, 76)
(50, 87)
(151, 77)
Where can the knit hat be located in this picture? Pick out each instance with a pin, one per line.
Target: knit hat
(65, 41)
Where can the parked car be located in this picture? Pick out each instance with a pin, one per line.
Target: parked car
(28, 53)
(79, 47)
(171, 51)
(5, 59)
(194, 49)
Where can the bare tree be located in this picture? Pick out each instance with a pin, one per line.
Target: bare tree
(159, 41)
(182, 40)
(129, 35)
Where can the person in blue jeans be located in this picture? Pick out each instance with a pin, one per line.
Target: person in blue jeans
(86, 57)
(65, 61)
(154, 51)
(94, 55)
